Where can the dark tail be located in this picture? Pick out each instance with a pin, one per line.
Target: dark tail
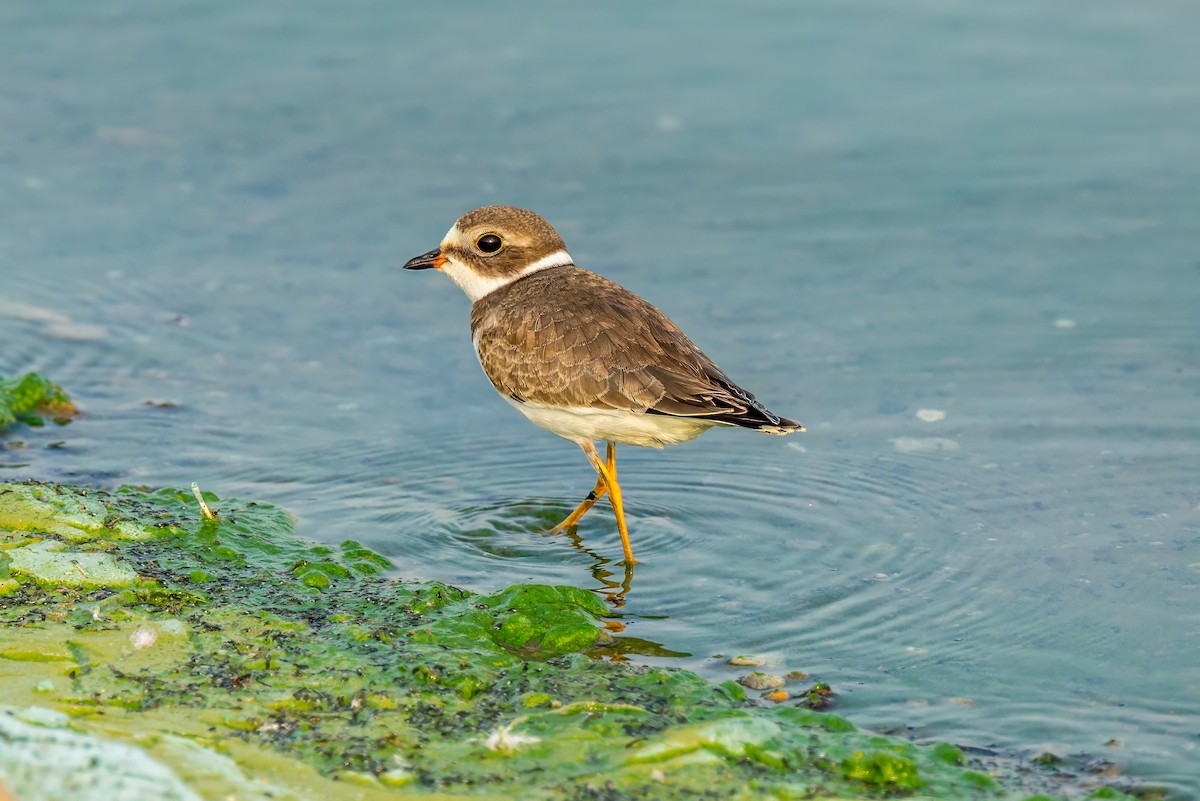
(759, 418)
(744, 410)
(752, 414)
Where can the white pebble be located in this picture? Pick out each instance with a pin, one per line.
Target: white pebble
(144, 637)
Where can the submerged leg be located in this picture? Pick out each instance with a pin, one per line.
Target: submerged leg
(608, 474)
(596, 494)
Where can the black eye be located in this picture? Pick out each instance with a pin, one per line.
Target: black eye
(489, 243)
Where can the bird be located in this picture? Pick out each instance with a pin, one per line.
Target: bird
(580, 355)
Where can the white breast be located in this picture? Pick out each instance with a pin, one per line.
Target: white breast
(629, 428)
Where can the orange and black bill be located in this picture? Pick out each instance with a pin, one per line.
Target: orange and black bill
(426, 261)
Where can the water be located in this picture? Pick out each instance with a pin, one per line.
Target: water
(860, 210)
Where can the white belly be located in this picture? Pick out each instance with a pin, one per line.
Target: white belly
(629, 428)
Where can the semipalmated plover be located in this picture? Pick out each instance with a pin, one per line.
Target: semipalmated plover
(580, 356)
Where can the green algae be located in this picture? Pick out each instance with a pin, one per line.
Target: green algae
(257, 659)
(25, 398)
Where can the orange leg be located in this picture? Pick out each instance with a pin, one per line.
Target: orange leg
(608, 474)
(596, 494)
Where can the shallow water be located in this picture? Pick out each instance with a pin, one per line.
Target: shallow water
(860, 210)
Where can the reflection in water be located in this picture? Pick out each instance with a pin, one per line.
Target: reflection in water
(613, 591)
(621, 648)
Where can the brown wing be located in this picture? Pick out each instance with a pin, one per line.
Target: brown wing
(566, 336)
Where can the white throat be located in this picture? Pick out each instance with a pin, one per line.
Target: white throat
(477, 286)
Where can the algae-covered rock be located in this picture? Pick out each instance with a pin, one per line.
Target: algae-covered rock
(49, 562)
(247, 663)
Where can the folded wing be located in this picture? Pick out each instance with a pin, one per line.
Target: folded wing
(569, 337)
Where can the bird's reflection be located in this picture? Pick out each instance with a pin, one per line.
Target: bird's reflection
(614, 593)
(610, 588)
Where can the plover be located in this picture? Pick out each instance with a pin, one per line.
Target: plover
(581, 356)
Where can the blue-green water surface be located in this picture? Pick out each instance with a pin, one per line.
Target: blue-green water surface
(958, 241)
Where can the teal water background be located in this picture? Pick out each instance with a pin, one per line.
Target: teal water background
(862, 210)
